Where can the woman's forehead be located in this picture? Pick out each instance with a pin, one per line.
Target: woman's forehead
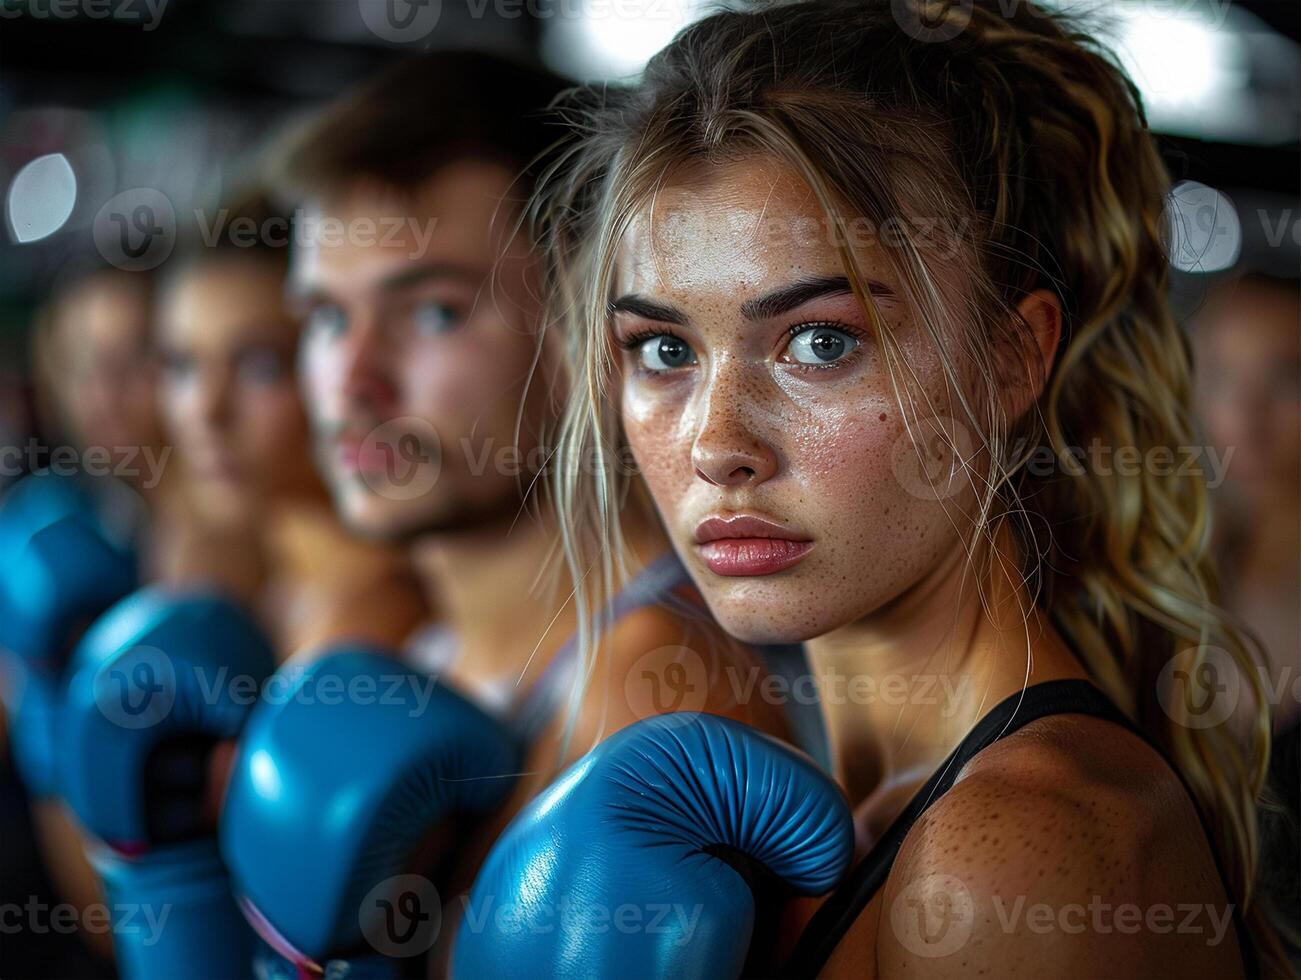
(727, 226)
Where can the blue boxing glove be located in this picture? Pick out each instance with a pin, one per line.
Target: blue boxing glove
(154, 685)
(637, 861)
(344, 768)
(64, 558)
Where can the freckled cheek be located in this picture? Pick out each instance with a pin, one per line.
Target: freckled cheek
(838, 457)
(850, 491)
(660, 436)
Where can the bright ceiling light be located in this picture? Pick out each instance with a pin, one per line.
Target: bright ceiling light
(1179, 60)
(611, 39)
(41, 198)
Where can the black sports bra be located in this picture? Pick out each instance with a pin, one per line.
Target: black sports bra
(838, 913)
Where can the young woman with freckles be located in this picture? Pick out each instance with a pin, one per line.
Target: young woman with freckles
(832, 327)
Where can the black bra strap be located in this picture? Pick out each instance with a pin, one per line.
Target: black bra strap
(839, 912)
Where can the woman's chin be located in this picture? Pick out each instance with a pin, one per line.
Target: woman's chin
(763, 623)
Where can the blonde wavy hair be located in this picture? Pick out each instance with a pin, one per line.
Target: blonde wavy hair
(1027, 144)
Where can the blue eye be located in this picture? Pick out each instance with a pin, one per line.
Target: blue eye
(433, 317)
(664, 352)
(327, 319)
(820, 345)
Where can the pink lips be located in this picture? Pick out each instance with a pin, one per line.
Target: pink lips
(747, 545)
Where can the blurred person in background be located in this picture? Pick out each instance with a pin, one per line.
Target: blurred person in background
(226, 347)
(95, 375)
(1247, 342)
(432, 387)
(257, 534)
(1248, 348)
(97, 391)
(202, 355)
(101, 437)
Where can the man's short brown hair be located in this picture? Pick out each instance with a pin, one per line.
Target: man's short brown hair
(423, 113)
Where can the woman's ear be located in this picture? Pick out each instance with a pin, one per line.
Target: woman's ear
(1042, 311)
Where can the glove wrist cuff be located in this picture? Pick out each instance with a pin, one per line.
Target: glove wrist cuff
(279, 959)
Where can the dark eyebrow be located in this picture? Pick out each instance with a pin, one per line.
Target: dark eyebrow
(648, 309)
(764, 307)
(798, 293)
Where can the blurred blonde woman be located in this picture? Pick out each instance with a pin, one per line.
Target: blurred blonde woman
(881, 286)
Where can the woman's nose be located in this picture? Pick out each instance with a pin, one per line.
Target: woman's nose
(730, 448)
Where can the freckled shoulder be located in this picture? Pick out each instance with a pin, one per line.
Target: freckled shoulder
(1068, 848)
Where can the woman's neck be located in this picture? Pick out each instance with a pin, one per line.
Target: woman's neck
(902, 686)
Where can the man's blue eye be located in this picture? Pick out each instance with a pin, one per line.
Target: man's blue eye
(328, 320)
(433, 317)
(664, 353)
(821, 345)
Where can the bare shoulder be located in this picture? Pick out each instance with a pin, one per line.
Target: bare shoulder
(1068, 847)
(655, 660)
